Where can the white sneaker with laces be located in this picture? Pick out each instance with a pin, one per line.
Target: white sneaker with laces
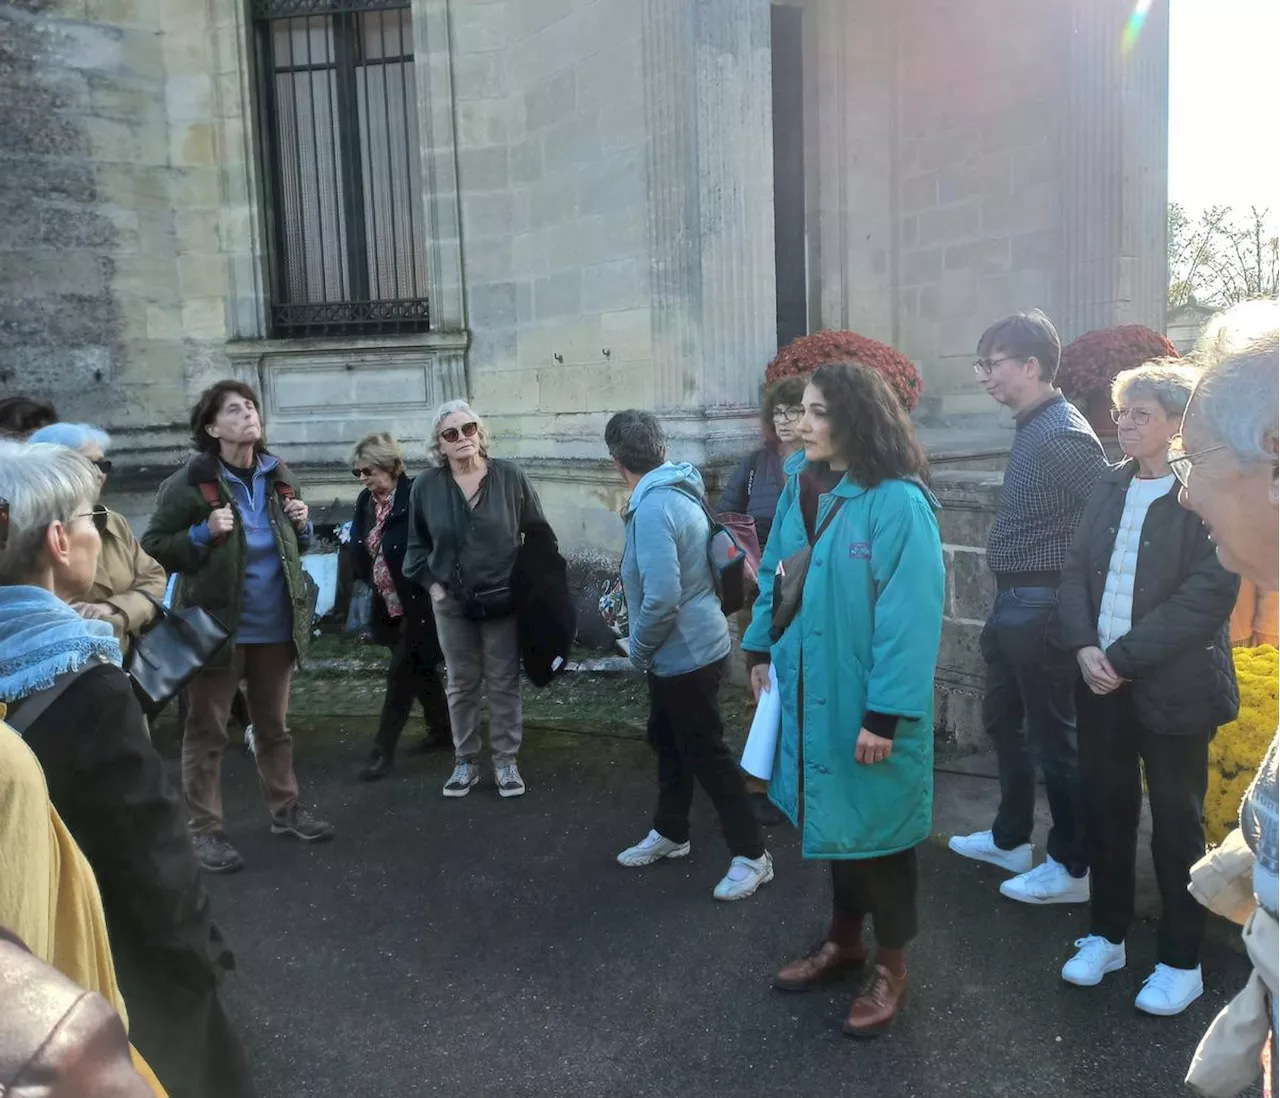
(506, 776)
(1048, 883)
(981, 847)
(652, 848)
(1168, 991)
(1095, 957)
(464, 776)
(744, 877)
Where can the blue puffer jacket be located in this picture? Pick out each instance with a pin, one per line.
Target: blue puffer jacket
(676, 622)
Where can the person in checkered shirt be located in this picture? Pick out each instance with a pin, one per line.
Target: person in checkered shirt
(1028, 707)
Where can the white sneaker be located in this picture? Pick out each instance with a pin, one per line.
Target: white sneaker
(1095, 957)
(250, 741)
(464, 776)
(506, 777)
(652, 848)
(981, 847)
(1168, 991)
(744, 877)
(1048, 883)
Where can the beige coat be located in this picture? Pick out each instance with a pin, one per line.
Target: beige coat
(125, 576)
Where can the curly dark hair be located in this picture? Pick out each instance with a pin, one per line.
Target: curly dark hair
(20, 416)
(869, 425)
(208, 407)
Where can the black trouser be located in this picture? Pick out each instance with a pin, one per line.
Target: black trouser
(412, 673)
(885, 889)
(1112, 741)
(686, 731)
(1030, 716)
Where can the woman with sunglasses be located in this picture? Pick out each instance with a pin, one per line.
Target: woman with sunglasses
(468, 517)
(1144, 604)
(127, 580)
(402, 617)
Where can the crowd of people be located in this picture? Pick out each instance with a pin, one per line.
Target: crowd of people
(1107, 656)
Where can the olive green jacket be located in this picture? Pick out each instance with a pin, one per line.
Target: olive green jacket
(212, 577)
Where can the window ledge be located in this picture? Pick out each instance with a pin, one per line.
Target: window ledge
(257, 349)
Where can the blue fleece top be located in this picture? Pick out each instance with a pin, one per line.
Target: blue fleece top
(677, 625)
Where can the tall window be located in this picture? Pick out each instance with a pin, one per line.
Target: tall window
(342, 166)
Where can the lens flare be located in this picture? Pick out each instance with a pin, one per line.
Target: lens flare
(1133, 28)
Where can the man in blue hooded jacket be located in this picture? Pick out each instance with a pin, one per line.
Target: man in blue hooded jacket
(679, 638)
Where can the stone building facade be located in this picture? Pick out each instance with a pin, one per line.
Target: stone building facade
(602, 203)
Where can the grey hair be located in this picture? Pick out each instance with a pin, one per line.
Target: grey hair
(75, 435)
(1168, 381)
(448, 408)
(1238, 395)
(636, 441)
(44, 484)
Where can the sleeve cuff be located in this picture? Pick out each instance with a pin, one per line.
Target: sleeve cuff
(884, 725)
(756, 659)
(200, 535)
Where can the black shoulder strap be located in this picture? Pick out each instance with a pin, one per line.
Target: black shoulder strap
(835, 507)
(33, 706)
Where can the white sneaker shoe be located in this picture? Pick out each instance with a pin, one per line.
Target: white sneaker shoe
(1168, 991)
(1095, 957)
(981, 847)
(464, 776)
(652, 848)
(1048, 883)
(744, 877)
(506, 776)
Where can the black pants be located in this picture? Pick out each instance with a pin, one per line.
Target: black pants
(686, 731)
(884, 888)
(1030, 716)
(412, 673)
(1112, 741)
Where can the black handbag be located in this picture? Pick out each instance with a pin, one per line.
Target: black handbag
(172, 652)
(788, 580)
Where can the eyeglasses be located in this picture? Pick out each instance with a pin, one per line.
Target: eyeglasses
(467, 430)
(1140, 417)
(364, 471)
(103, 465)
(982, 367)
(99, 515)
(1181, 463)
(788, 413)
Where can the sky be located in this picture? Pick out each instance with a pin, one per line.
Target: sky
(1224, 103)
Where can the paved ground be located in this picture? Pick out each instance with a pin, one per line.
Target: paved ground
(485, 947)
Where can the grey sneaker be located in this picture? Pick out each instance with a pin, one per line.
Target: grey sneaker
(464, 776)
(299, 823)
(507, 778)
(215, 854)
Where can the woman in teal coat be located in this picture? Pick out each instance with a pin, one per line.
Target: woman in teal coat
(854, 764)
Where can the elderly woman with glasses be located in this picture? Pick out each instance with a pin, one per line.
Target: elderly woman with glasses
(402, 618)
(468, 517)
(128, 583)
(1144, 604)
(64, 692)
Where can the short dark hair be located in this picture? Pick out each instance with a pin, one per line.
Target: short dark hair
(21, 415)
(790, 390)
(208, 407)
(636, 440)
(869, 425)
(1024, 336)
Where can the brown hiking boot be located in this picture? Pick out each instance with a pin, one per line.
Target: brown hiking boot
(877, 1005)
(828, 962)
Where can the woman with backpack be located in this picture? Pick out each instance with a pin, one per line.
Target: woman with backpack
(232, 524)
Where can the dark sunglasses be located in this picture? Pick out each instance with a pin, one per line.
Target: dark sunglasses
(468, 430)
(103, 465)
(364, 471)
(99, 515)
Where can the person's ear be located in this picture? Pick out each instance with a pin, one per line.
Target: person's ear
(57, 540)
(1032, 368)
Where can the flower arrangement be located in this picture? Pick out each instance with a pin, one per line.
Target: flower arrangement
(1237, 749)
(804, 355)
(1091, 362)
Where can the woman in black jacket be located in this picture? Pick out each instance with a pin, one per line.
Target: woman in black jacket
(1144, 604)
(402, 617)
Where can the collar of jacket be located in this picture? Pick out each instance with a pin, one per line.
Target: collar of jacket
(1123, 472)
(850, 489)
(399, 502)
(206, 467)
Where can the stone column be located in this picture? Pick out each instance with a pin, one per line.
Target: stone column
(1115, 168)
(709, 168)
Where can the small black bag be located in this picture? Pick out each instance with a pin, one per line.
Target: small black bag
(728, 559)
(172, 652)
(788, 580)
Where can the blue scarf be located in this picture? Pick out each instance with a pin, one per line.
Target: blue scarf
(41, 637)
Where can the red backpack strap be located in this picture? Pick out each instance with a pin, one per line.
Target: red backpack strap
(284, 490)
(209, 490)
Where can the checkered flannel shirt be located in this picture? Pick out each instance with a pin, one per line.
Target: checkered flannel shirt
(1053, 465)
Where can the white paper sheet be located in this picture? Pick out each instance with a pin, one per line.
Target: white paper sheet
(762, 740)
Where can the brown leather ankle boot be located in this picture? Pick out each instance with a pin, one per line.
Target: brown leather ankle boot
(878, 1003)
(842, 952)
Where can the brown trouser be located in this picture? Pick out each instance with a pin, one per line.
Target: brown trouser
(266, 670)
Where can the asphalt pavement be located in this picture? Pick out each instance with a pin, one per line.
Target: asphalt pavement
(491, 947)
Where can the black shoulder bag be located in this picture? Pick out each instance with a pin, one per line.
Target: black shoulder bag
(172, 652)
(789, 577)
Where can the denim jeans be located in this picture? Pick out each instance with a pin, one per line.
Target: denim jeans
(1029, 713)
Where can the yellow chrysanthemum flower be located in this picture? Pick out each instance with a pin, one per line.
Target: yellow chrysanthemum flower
(1238, 747)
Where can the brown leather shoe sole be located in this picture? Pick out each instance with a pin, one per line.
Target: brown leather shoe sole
(820, 973)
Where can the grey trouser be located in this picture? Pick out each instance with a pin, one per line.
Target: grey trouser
(476, 654)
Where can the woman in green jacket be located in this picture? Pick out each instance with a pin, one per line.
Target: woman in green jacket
(854, 764)
(233, 525)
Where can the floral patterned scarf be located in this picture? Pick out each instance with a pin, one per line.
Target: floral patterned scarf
(382, 581)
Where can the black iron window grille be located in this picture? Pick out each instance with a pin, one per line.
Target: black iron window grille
(343, 172)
